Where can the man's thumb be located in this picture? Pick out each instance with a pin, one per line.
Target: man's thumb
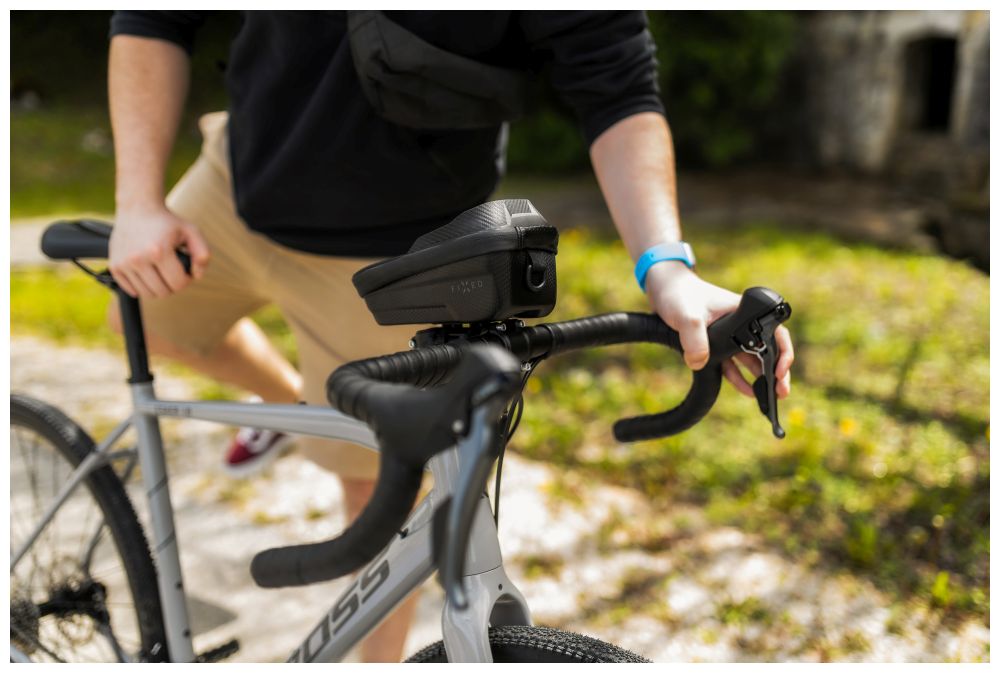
(694, 341)
(197, 248)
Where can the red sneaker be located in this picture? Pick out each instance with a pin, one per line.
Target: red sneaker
(252, 450)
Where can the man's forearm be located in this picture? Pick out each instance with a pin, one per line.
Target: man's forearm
(147, 86)
(634, 164)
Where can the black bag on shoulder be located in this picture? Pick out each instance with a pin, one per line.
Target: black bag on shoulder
(412, 83)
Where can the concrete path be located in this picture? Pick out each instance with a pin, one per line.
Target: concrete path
(25, 237)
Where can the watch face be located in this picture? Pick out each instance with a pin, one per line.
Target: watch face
(689, 252)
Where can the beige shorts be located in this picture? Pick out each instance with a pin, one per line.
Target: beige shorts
(330, 322)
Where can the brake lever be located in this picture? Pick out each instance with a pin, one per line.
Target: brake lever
(750, 329)
(477, 451)
(764, 386)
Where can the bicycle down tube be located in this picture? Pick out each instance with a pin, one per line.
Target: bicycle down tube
(292, 418)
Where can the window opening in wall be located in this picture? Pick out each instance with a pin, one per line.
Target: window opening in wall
(930, 84)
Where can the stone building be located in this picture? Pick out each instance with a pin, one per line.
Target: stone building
(905, 95)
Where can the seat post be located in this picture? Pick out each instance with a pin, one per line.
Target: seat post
(135, 337)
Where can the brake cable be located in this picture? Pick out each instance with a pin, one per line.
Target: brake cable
(512, 419)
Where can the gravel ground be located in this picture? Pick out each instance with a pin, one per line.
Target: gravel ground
(584, 562)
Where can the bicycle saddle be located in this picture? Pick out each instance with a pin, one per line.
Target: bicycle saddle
(77, 239)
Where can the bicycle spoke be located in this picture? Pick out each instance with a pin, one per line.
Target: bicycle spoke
(55, 489)
(37, 643)
(106, 572)
(105, 630)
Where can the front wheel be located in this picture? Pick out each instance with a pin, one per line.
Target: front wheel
(538, 644)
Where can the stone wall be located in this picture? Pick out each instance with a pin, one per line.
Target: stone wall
(856, 69)
(972, 104)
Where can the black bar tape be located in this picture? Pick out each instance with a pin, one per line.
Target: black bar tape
(384, 392)
(617, 328)
(368, 390)
(612, 328)
(383, 516)
(354, 387)
(699, 401)
(411, 425)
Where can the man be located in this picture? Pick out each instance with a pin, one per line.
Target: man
(306, 181)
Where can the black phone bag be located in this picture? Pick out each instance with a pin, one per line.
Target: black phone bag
(492, 262)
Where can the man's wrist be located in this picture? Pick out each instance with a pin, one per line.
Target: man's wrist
(138, 186)
(663, 275)
(132, 202)
(673, 253)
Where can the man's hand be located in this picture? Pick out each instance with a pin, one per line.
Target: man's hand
(689, 305)
(634, 164)
(142, 252)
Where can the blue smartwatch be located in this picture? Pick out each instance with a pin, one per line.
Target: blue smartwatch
(663, 252)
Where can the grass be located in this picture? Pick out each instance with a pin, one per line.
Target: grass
(751, 610)
(62, 160)
(885, 470)
(65, 305)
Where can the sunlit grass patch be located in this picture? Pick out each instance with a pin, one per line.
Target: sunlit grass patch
(62, 303)
(65, 305)
(751, 610)
(62, 160)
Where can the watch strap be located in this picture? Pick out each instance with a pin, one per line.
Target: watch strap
(662, 252)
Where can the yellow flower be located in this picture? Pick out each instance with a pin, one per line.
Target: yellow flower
(796, 416)
(848, 426)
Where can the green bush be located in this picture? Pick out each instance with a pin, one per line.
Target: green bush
(720, 80)
(547, 141)
(62, 56)
(720, 74)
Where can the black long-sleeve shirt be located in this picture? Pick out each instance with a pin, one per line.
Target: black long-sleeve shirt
(315, 168)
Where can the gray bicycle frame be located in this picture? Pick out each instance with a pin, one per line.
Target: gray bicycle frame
(400, 568)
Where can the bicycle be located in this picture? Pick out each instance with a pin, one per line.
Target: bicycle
(449, 405)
